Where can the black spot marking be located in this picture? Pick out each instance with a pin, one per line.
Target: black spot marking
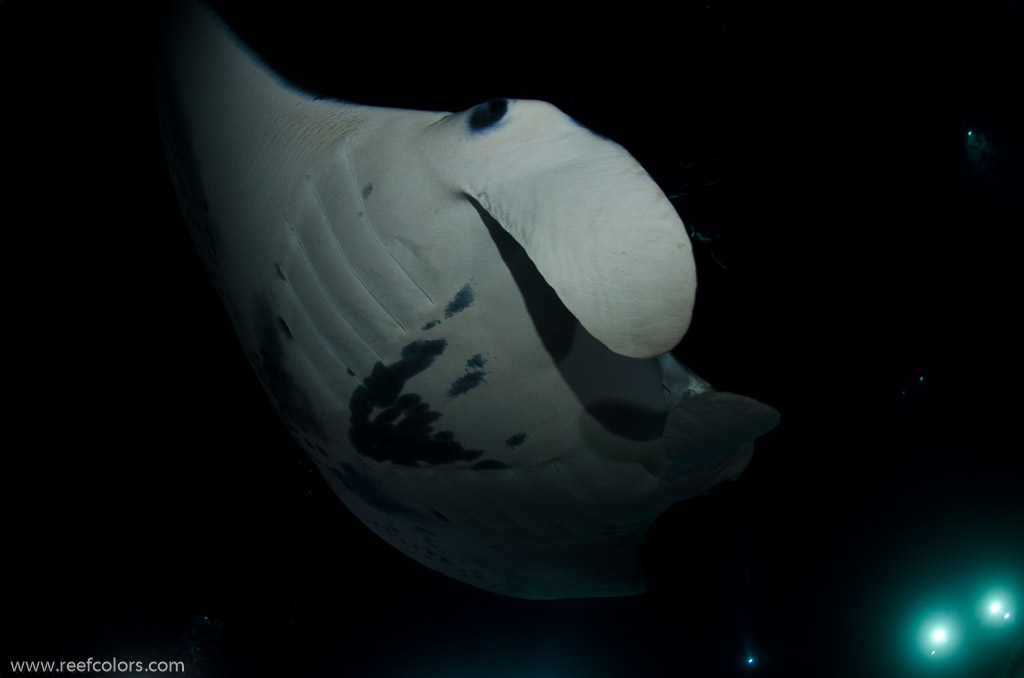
(372, 492)
(487, 114)
(441, 516)
(367, 190)
(431, 325)
(284, 327)
(463, 299)
(280, 272)
(515, 441)
(475, 362)
(350, 372)
(425, 531)
(402, 432)
(489, 465)
(465, 383)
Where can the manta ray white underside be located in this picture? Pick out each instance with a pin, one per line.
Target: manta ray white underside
(463, 318)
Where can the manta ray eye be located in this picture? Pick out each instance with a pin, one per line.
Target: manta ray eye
(487, 114)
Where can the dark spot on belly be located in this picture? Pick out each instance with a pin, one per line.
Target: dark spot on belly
(462, 300)
(475, 362)
(431, 325)
(367, 190)
(402, 430)
(465, 383)
(515, 441)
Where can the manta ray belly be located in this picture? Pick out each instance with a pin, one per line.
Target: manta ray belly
(449, 430)
(462, 318)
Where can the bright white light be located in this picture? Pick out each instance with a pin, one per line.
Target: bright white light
(750, 660)
(997, 608)
(940, 634)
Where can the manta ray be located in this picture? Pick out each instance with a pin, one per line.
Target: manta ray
(465, 319)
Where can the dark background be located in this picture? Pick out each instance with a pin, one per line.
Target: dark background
(856, 171)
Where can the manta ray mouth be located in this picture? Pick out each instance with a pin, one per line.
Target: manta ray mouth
(625, 395)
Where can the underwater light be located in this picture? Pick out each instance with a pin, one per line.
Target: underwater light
(939, 634)
(996, 608)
